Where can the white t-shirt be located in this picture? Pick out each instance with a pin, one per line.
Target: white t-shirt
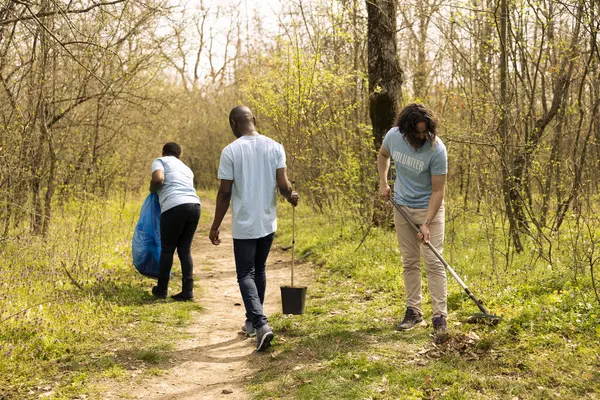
(178, 187)
(251, 163)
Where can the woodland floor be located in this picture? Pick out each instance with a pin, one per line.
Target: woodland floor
(215, 360)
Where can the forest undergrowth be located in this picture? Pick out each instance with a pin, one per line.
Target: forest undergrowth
(73, 309)
(345, 345)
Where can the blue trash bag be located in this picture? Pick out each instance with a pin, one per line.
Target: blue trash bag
(145, 245)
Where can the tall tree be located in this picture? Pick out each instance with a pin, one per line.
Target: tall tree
(385, 75)
(509, 189)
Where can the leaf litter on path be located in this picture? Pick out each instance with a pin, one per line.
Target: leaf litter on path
(452, 344)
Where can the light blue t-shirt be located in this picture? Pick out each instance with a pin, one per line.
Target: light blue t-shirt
(251, 162)
(414, 168)
(178, 187)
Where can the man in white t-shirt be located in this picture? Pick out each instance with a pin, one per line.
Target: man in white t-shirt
(251, 170)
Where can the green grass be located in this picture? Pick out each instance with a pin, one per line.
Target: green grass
(345, 347)
(61, 332)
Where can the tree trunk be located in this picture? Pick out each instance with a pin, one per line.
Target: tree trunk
(509, 187)
(385, 78)
(385, 74)
(420, 76)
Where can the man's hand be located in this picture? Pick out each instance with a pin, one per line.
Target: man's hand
(424, 236)
(214, 236)
(294, 197)
(385, 191)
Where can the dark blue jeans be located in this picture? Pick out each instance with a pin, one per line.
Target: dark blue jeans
(177, 228)
(250, 265)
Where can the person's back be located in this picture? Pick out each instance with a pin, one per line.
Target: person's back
(178, 186)
(173, 181)
(251, 163)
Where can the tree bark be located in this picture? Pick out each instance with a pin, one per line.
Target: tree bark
(385, 75)
(509, 188)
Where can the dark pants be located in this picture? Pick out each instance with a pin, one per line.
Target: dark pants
(177, 228)
(250, 264)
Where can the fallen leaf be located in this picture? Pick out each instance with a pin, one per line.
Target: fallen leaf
(227, 391)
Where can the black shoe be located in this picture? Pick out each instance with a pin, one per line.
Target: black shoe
(411, 318)
(440, 330)
(156, 292)
(183, 297)
(439, 324)
(264, 335)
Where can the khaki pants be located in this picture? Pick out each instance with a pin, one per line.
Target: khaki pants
(412, 250)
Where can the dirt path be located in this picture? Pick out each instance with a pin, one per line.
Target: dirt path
(218, 360)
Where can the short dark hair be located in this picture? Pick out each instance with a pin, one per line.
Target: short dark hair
(408, 119)
(171, 149)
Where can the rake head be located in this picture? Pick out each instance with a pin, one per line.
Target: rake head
(486, 319)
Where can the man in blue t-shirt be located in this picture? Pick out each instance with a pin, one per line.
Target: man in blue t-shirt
(421, 164)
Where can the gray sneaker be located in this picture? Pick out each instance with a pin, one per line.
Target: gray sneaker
(248, 329)
(264, 335)
(411, 318)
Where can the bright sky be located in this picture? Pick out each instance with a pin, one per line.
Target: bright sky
(223, 14)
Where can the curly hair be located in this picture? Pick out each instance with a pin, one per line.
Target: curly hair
(171, 149)
(408, 119)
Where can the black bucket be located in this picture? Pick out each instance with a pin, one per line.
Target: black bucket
(293, 299)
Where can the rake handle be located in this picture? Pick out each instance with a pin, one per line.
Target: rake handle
(293, 236)
(439, 256)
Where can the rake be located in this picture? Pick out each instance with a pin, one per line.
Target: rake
(484, 317)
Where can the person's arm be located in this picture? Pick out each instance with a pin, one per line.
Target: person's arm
(285, 187)
(438, 186)
(383, 166)
(158, 179)
(223, 199)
